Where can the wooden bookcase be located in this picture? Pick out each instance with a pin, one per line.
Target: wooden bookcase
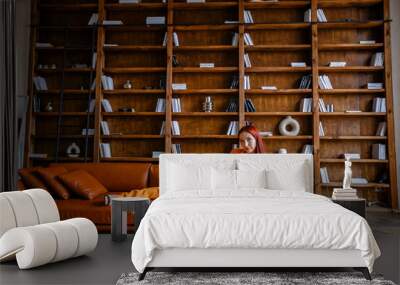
(135, 51)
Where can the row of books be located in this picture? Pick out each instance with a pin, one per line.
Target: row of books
(344, 194)
(175, 39)
(249, 106)
(174, 128)
(325, 107)
(107, 82)
(324, 82)
(176, 148)
(324, 175)
(307, 149)
(40, 83)
(233, 128)
(379, 151)
(320, 16)
(306, 105)
(176, 105)
(105, 150)
(377, 59)
(305, 82)
(247, 39)
(379, 104)
(246, 81)
(248, 18)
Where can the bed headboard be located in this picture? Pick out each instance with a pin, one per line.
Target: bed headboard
(235, 161)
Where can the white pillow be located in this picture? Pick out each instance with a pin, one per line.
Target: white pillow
(291, 179)
(251, 178)
(182, 178)
(224, 179)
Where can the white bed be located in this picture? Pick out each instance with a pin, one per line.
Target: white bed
(247, 211)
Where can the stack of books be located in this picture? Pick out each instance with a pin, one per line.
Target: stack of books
(248, 40)
(40, 83)
(248, 19)
(247, 62)
(305, 82)
(176, 105)
(160, 106)
(105, 150)
(106, 105)
(43, 45)
(324, 82)
(269, 88)
(176, 148)
(234, 82)
(377, 59)
(324, 175)
(320, 16)
(324, 107)
(375, 85)
(306, 105)
(321, 130)
(246, 82)
(307, 149)
(381, 130)
(337, 64)
(93, 19)
(107, 82)
(351, 156)
(155, 20)
(367, 42)
(232, 106)
(249, 106)
(207, 65)
(344, 194)
(379, 151)
(104, 128)
(298, 64)
(379, 104)
(233, 128)
(112, 22)
(128, 1)
(178, 86)
(89, 132)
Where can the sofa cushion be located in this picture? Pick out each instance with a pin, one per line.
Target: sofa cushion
(30, 178)
(154, 176)
(151, 192)
(49, 175)
(116, 177)
(83, 184)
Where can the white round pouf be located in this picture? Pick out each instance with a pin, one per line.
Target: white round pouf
(289, 121)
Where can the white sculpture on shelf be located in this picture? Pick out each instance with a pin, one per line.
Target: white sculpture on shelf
(347, 174)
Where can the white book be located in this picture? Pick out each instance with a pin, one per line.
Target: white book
(175, 39)
(92, 105)
(359, 180)
(307, 16)
(110, 45)
(383, 105)
(248, 18)
(128, 1)
(40, 83)
(106, 105)
(298, 64)
(269, 88)
(230, 128)
(155, 20)
(247, 39)
(165, 39)
(93, 86)
(322, 106)
(178, 86)
(94, 59)
(381, 130)
(321, 130)
(377, 59)
(112, 22)
(328, 81)
(247, 82)
(175, 128)
(104, 128)
(324, 175)
(207, 65)
(156, 154)
(162, 130)
(337, 64)
(321, 16)
(105, 150)
(366, 42)
(235, 39)
(351, 156)
(195, 1)
(231, 22)
(93, 19)
(247, 62)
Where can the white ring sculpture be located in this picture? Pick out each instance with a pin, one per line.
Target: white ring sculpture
(31, 231)
(289, 121)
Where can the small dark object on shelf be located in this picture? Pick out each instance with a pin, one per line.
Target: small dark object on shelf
(383, 177)
(126, 109)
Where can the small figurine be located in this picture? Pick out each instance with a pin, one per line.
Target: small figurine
(208, 104)
(127, 85)
(347, 174)
(49, 107)
(73, 150)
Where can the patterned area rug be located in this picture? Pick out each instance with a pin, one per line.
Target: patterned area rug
(243, 278)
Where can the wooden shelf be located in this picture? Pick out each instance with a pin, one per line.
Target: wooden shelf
(68, 7)
(204, 114)
(205, 91)
(276, 69)
(63, 158)
(206, 48)
(350, 25)
(204, 6)
(356, 114)
(277, 26)
(348, 3)
(349, 91)
(133, 114)
(278, 47)
(135, 6)
(131, 137)
(133, 91)
(127, 70)
(191, 137)
(327, 69)
(279, 4)
(129, 159)
(203, 69)
(300, 137)
(333, 47)
(353, 138)
(223, 27)
(66, 70)
(133, 48)
(357, 161)
(278, 92)
(66, 91)
(265, 114)
(51, 137)
(368, 185)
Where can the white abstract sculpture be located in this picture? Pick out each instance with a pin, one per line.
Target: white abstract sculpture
(347, 174)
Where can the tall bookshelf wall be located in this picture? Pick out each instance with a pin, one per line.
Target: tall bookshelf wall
(134, 51)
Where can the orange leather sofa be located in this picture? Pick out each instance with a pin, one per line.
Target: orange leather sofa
(117, 178)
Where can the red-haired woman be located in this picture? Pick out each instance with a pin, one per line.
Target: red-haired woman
(250, 141)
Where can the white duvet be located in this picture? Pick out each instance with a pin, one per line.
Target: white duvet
(253, 218)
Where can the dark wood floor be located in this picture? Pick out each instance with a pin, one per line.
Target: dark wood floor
(110, 260)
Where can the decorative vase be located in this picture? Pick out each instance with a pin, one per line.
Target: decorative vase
(73, 150)
(208, 104)
(49, 107)
(289, 122)
(127, 85)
